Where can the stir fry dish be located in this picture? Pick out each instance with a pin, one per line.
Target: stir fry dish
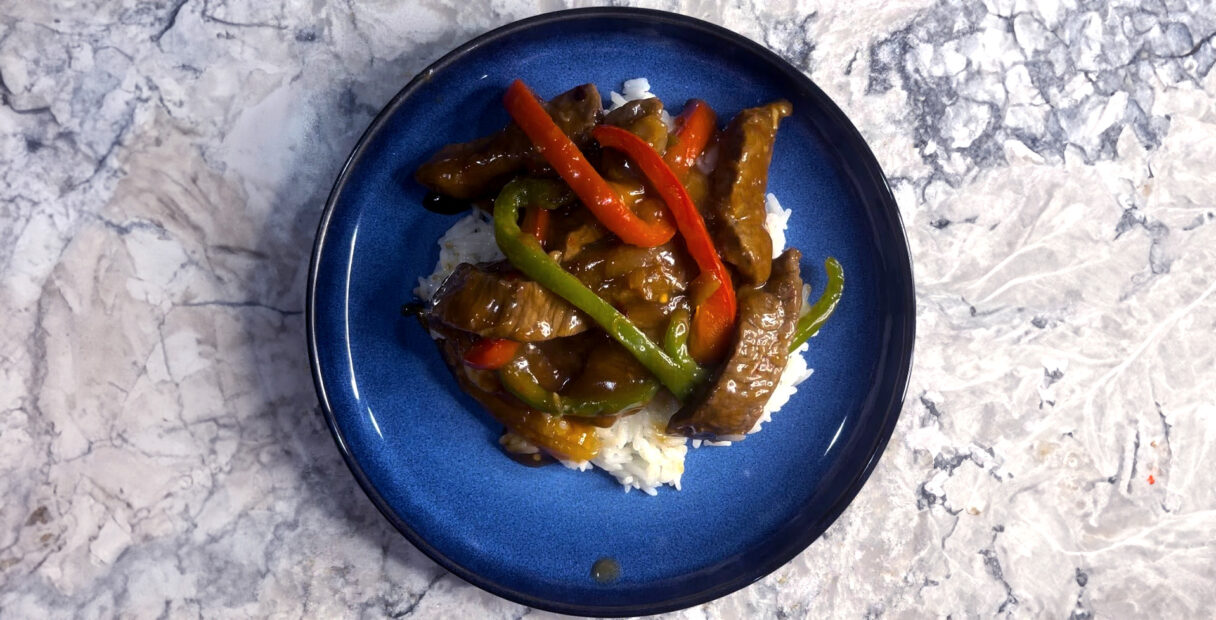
(619, 285)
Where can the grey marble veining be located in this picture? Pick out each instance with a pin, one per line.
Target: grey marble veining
(164, 163)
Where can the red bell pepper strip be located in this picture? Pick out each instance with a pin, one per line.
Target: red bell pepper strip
(557, 149)
(491, 353)
(712, 324)
(694, 126)
(714, 319)
(536, 223)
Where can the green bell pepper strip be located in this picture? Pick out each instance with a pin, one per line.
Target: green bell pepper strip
(809, 323)
(520, 382)
(675, 341)
(523, 251)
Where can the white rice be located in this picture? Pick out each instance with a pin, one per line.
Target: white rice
(470, 240)
(776, 220)
(635, 450)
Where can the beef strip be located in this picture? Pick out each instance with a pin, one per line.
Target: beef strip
(644, 119)
(622, 273)
(735, 208)
(479, 168)
(736, 397)
(488, 301)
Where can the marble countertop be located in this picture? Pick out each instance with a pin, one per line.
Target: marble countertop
(164, 165)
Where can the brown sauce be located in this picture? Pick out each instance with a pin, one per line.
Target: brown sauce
(606, 570)
(444, 205)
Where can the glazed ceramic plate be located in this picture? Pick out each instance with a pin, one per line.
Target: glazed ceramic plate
(427, 455)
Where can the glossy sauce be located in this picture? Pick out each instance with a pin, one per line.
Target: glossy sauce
(494, 302)
(623, 274)
(569, 355)
(444, 205)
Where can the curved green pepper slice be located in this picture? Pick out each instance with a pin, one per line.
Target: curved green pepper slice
(675, 341)
(524, 252)
(823, 307)
(517, 379)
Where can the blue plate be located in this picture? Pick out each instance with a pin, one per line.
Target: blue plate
(427, 455)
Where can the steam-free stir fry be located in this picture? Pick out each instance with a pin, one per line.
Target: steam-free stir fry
(632, 296)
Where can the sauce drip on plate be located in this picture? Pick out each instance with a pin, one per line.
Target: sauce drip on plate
(606, 570)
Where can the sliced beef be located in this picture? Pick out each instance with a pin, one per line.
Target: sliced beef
(576, 111)
(622, 273)
(479, 168)
(492, 302)
(608, 369)
(573, 228)
(644, 119)
(736, 397)
(735, 207)
(645, 284)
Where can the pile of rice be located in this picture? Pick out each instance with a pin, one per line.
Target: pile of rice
(635, 450)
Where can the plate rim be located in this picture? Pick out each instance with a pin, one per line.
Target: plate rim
(906, 295)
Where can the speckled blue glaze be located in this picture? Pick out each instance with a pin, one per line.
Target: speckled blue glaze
(426, 453)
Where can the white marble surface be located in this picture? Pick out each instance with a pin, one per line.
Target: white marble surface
(163, 167)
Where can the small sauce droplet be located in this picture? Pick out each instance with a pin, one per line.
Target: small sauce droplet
(444, 205)
(605, 570)
(1151, 479)
(417, 310)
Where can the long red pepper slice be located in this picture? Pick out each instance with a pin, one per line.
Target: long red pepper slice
(694, 126)
(536, 223)
(714, 319)
(491, 353)
(557, 149)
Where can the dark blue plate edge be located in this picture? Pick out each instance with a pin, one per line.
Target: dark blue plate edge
(905, 331)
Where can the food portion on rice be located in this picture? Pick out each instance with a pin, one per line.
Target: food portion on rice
(620, 286)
